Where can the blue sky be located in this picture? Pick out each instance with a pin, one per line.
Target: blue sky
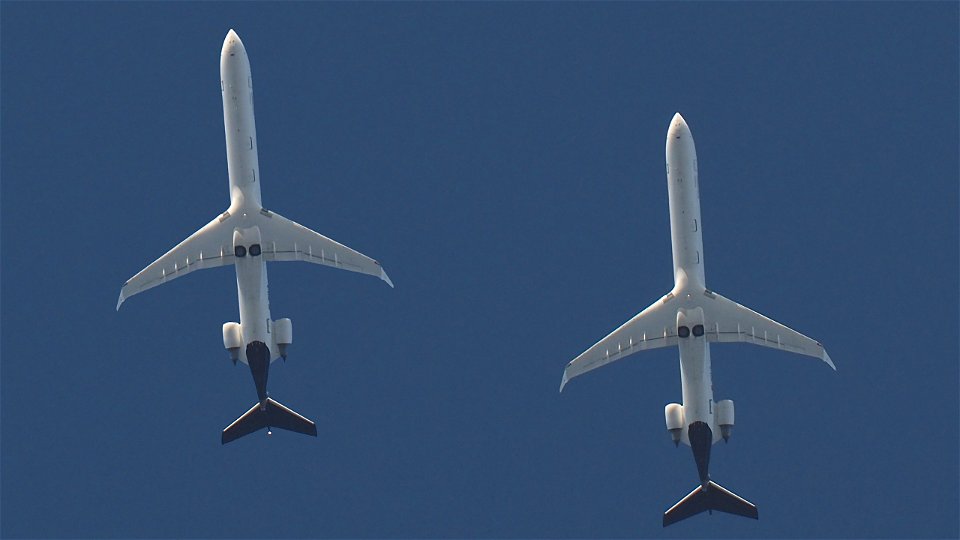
(505, 163)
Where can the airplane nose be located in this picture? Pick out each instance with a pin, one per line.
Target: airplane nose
(232, 43)
(678, 126)
(678, 121)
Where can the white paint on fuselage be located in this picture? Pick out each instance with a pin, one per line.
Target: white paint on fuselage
(686, 235)
(243, 168)
(684, 193)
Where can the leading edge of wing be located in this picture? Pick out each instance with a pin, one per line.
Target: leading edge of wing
(652, 328)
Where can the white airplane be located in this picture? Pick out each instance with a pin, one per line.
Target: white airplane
(247, 235)
(691, 316)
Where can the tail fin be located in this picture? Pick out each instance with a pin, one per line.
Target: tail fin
(714, 497)
(267, 414)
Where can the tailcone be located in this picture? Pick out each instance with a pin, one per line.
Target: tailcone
(258, 358)
(701, 441)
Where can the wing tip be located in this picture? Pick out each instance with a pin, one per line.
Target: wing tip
(385, 277)
(564, 381)
(120, 300)
(826, 358)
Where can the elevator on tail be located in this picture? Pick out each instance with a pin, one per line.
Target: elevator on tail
(247, 236)
(691, 317)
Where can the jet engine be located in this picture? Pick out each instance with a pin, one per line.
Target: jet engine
(232, 339)
(283, 335)
(673, 413)
(725, 418)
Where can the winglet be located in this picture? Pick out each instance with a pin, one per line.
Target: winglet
(120, 300)
(385, 277)
(826, 358)
(564, 381)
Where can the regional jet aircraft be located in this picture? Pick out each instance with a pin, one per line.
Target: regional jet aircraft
(691, 317)
(247, 235)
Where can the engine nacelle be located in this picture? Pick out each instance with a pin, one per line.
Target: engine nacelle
(724, 411)
(283, 335)
(673, 413)
(232, 339)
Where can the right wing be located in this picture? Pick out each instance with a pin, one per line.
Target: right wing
(652, 328)
(209, 247)
(728, 321)
(285, 240)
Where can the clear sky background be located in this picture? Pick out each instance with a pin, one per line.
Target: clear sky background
(505, 163)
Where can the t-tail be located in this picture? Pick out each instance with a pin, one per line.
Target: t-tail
(708, 498)
(268, 414)
(709, 495)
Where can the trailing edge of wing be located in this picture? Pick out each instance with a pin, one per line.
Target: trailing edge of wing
(652, 328)
(286, 240)
(209, 247)
(728, 321)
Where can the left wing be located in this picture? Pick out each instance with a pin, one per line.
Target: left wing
(209, 247)
(727, 321)
(652, 328)
(286, 240)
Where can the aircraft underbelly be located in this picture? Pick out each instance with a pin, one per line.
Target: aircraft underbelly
(254, 304)
(696, 381)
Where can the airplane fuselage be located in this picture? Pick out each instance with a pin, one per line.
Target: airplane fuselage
(243, 168)
(243, 165)
(692, 317)
(247, 236)
(686, 236)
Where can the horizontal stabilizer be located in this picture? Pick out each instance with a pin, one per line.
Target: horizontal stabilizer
(269, 414)
(715, 497)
